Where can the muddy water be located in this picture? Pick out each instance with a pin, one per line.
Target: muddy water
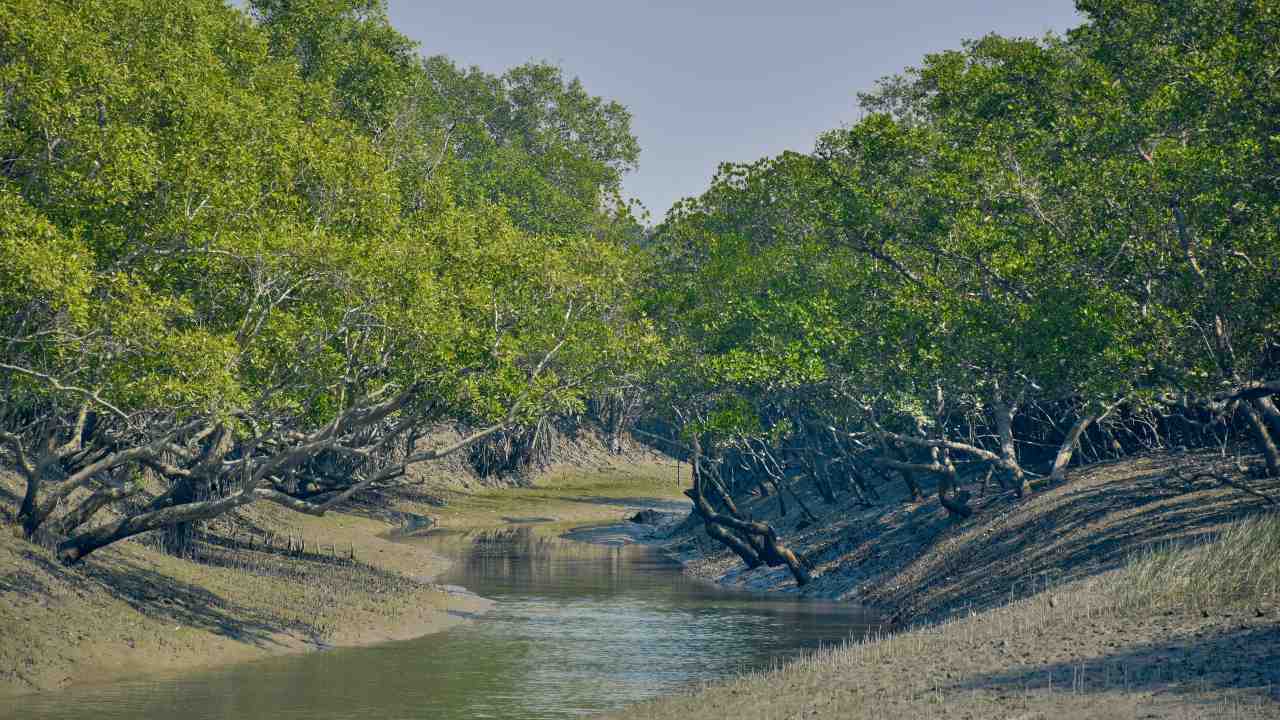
(576, 629)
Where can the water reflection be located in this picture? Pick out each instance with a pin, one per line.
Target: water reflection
(577, 629)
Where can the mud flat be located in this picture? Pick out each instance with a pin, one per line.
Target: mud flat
(131, 610)
(1123, 593)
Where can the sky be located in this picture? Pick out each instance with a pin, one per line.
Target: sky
(712, 81)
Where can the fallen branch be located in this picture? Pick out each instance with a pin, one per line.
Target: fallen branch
(1237, 485)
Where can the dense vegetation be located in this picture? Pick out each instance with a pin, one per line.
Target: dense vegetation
(256, 256)
(1024, 247)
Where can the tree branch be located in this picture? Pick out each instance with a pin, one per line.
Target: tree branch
(58, 385)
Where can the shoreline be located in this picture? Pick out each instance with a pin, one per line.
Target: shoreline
(1033, 636)
(1028, 609)
(914, 562)
(132, 612)
(76, 631)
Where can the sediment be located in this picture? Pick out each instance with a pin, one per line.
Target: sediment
(1009, 613)
(131, 610)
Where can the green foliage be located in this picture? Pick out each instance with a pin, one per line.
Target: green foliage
(348, 50)
(42, 272)
(266, 217)
(1029, 220)
(209, 213)
(543, 147)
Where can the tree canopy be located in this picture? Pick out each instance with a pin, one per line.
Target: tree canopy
(255, 255)
(1020, 240)
(239, 250)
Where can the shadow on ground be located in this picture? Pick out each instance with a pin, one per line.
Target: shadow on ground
(8, 500)
(24, 582)
(917, 560)
(1080, 530)
(1247, 658)
(170, 600)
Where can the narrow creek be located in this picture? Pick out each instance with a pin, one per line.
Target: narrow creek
(576, 629)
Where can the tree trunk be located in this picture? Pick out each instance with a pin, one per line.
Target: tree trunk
(1267, 407)
(1072, 440)
(908, 475)
(869, 492)
(85, 511)
(782, 501)
(748, 554)
(615, 434)
(725, 498)
(862, 478)
(1008, 450)
(1270, 453)
(823, 482)
(762, 543)
(809, 459)
(800, 501)
(178, 540)
(29, 516)
(954, 504)
(32, 513)
(76, 548)
(1068, 448)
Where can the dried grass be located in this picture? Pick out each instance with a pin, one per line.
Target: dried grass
(1238, 566)
(1161, 637)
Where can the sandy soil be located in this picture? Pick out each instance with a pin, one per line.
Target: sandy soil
(132, 610)
(1072, 658)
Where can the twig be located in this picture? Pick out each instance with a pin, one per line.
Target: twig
(58, 385)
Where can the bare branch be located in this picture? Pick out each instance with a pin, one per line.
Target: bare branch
(20, 454)
(58, 385)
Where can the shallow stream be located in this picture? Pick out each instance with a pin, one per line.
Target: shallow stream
(576, 629)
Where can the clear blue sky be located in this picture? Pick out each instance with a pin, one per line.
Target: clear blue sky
(711, 81)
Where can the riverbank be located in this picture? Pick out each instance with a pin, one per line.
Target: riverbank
(131, 610)
(1051, 606)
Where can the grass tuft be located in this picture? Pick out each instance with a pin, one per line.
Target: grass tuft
(1238, 566)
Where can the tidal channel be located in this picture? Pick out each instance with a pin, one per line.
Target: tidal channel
(576, 629)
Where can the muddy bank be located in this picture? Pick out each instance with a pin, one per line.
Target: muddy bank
(1028, 609)
(1069, 655)
(131, 610)
(915, 563)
